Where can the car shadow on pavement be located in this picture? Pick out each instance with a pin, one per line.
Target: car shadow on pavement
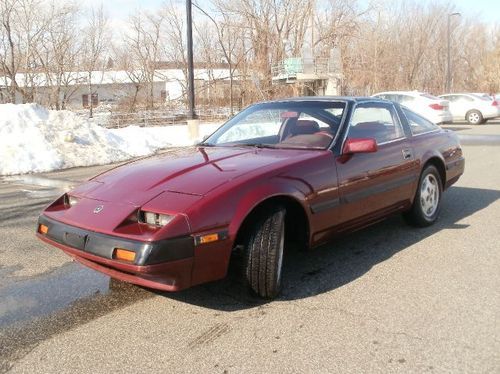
(344, 260)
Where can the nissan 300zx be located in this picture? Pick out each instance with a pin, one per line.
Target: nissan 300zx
(301, 171)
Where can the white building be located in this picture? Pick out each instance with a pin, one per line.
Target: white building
(113, 86)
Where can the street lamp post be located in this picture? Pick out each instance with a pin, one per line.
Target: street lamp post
(448, 70)
(190, 83)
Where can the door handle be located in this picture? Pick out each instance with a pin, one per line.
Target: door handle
(406, 154)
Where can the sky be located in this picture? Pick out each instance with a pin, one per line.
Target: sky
(489, 10)
(118, 10)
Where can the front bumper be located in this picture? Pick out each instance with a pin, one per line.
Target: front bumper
(165, 265)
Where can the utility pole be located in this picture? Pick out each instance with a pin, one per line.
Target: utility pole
(448, 70)
(190, 83)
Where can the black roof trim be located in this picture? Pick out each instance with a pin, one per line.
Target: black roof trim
(327, 98)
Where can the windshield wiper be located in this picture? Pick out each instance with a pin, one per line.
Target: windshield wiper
(257, 145)
(203, 144)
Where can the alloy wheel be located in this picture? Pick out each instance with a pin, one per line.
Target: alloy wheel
(429, 195)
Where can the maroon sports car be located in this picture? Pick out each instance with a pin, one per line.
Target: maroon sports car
(300, 170)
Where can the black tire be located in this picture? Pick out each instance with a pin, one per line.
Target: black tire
(420, 215)
(264, 253)
(474, 117)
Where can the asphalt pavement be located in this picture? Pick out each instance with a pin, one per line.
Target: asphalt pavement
(387, 299)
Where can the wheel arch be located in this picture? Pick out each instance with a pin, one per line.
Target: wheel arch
(296, 217)
(440, 166)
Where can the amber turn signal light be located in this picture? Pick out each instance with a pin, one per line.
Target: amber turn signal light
(42, 229)
(124, 255)
(208, 238)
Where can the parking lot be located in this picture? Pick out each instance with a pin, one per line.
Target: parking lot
(389, 298)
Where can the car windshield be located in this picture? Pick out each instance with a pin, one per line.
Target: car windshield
(294, 124)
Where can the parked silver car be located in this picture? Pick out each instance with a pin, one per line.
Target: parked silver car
(433, 108)
(471, 107)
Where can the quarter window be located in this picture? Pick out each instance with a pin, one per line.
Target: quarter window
(418, 124)
(378, 122)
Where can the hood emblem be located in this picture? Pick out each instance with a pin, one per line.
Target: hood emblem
(98, 209)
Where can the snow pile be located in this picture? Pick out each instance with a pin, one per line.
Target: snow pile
(34, 139)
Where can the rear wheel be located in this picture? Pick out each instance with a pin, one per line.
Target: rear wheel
(474, 117)
(264, 253)
(427, 202)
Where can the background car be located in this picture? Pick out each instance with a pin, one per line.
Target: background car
(428, 106)
(473, 108)
(294, 172)
(483, 95)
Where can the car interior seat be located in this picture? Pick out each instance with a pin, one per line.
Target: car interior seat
(300, 127)
(375, 130)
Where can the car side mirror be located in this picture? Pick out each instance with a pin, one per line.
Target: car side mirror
(360, 145)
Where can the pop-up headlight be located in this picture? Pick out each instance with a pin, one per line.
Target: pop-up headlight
(70, 200)
(155, 219)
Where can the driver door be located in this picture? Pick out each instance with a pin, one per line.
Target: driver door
(372, 185)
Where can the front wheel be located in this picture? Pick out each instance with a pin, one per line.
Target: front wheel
(264, 253)
(427, 203)
(474, 117)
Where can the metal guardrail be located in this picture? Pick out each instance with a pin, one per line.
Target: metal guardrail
(159, 117)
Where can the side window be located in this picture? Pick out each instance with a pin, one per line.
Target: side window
(465, 98)
(405, 99)
(418, 124)
(375, 121)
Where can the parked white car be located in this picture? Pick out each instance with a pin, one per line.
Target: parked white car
(428, 106)
(473, 108)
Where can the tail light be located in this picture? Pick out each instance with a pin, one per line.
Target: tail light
(494, 103)
(436, 106)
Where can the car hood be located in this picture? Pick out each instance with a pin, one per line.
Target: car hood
(192, 171)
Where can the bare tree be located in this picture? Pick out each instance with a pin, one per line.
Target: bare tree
(96, 43)
(10, 47)
(58, 53)
(175, 43)
(228, 36)
(145, 45)
(31, 25)
(384, 45)
(134, 73)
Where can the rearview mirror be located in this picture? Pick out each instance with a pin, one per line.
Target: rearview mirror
(360, 145)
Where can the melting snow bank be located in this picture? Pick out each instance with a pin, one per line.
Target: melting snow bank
(34, 139)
